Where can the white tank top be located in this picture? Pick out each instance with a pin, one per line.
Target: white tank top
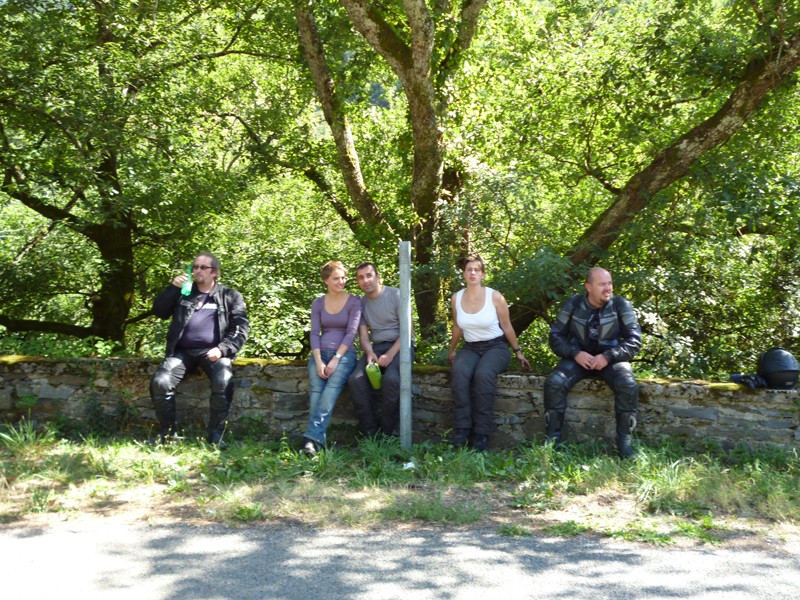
(482, 325)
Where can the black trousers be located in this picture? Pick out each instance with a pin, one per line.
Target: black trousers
(473, 383)
(377, 410)
(618, 376)
(172, 371)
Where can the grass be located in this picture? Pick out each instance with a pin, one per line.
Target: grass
(567, 529)
(663, 496)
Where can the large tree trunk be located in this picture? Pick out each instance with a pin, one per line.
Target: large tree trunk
(110, 304)
(422, 81)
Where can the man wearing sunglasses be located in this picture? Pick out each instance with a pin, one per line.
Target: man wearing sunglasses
(209, 327)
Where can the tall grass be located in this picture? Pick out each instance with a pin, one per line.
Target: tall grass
(377, 480)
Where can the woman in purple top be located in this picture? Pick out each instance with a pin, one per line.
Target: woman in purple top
(334, 324)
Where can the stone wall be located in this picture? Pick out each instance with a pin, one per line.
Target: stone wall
(274, 395)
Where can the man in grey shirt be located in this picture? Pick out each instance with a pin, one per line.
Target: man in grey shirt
(379, 336)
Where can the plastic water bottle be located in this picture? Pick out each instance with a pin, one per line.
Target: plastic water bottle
(374, 375)
(186, 288)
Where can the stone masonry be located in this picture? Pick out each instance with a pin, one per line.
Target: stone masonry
(274, 395)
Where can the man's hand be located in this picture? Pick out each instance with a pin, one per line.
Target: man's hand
(585, 360)
(214, 354)
(591, 363)
(600, 362)
(384, 360)
(179, 279)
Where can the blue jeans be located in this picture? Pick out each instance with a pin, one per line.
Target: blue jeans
(323, 393)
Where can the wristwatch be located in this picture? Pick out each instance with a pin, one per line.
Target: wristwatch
(337, 355)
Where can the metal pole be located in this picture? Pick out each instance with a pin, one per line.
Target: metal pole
(405, 344)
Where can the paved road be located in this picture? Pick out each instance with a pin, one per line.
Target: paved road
(96, 559)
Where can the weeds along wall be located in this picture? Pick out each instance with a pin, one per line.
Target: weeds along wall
(111, 395)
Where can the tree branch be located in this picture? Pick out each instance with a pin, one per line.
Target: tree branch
(468, 25)
(370, 23)
(761, 76)
(333, 109)
(45, 326)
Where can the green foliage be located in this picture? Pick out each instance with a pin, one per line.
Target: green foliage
(248, 513)
(703, 530)
(135, 135)
(635, 532)
(568, 529)
(590, 93)
(441, 509)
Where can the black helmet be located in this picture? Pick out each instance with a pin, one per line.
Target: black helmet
(778, 368)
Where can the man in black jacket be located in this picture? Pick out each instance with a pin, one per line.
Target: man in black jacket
(595, 335)
(209, 326)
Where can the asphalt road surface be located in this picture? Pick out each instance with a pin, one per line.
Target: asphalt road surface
(95, 559)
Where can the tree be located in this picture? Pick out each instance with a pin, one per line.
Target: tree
(548, 136)
(694, 77)
(771, 62)
(423, 47)
(102, 136)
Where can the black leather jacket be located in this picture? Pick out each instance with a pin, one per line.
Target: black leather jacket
(620, 336)
(231, 316)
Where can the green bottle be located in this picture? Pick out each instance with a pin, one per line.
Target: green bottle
(374, 375)
(186, 288)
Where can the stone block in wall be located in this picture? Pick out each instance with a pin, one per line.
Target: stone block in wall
(277, 394)
(420, 414)
(522, 404)
(503, 420)
(56, 391)
(695, 413)
(432, 392)
(6, 399)
(288, 407)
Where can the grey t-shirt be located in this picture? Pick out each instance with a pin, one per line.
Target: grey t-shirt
(382, 315)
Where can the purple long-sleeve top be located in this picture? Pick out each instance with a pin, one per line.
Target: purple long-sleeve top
(329, 331)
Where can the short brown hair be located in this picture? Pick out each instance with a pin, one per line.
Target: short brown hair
(364, 265)
(464, 260)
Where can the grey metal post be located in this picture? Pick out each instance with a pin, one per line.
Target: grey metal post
(405, 344)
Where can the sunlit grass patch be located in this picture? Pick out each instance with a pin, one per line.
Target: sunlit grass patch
(567, 529)
(638, 532)
(703, 530)
(442, 507)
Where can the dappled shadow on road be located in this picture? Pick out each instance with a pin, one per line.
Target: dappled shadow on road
(284, 562)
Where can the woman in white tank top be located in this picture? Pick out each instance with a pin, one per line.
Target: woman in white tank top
(480, 316)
